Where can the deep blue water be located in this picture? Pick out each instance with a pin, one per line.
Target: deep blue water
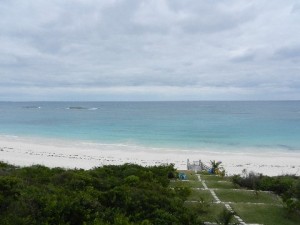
(186, 125)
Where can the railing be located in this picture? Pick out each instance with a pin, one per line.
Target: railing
(197, 166)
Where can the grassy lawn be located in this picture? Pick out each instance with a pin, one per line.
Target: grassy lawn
(212, 178)
(265, 214)
(190, 174)
(190, 184)
(204, 172)
(247, 196)
(197, 195)
(220, 184)
(208, 213)
(269, 213)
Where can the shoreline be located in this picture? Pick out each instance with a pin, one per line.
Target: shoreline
(75, 154)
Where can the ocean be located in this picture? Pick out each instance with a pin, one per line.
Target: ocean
(219, 125)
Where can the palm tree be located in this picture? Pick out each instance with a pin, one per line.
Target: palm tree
(215, 166)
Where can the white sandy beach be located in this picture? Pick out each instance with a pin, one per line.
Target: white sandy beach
(56, 153)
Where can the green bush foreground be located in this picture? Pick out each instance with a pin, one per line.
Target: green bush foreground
(110, 195)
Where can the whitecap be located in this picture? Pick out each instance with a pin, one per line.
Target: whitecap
(76, 107)
(32, 107)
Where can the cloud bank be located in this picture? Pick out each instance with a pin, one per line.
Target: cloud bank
(149, 50)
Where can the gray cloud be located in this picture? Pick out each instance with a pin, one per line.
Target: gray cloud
(287, 53)
(86, 49)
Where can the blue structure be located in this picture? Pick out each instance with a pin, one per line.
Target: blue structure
(182, 176)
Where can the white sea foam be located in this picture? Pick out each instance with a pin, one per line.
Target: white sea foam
(32, 107)
(81, 108)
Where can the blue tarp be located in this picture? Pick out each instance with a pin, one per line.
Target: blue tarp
(182, 176)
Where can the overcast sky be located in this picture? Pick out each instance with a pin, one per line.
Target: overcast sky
(149, 50)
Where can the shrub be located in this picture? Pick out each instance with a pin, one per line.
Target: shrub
(110, 195)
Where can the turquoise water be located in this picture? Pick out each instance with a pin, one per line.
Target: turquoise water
(183, 125)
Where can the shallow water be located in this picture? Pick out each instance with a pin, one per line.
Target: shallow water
(181, 125)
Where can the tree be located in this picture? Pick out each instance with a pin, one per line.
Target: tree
(111, 195)
(215, 166)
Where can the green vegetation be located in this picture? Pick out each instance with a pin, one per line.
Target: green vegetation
(190, 175)
(247, 196)
(220, 184)
(253, 206)
(209, 212)
(225, 218)
(265, 214)
(212, 178)
(288, 187)
(200, 195)
(135, 195)
(119, 195)
(189, 184)
(216, 168)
